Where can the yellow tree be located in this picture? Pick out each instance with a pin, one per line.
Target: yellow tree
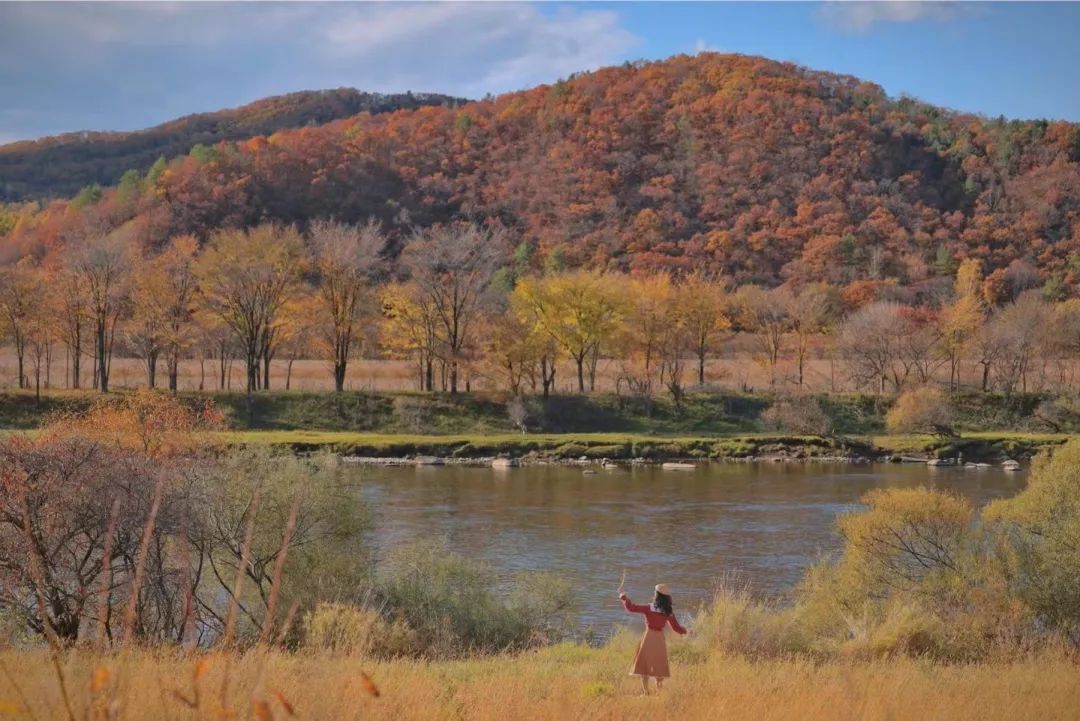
(961, 321)
(41, 332)
(581, 311)
(21, 294)
(163, 306)
(146, 330)
(246, 278)
(704, 308)
(347, 261)
(73, 316)
(409, 328)
(650, 315)
(298, 336)
(520, 352)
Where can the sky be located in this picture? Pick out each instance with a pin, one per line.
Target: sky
(125, 66)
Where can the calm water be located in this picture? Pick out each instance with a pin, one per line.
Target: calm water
(765, 522)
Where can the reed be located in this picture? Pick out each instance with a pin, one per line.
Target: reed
(565, 682)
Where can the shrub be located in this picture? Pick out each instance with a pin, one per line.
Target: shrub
(922, 410)
(518, 413)
(801, 414)
(1040, 528)
(415, 415)
(354, 630)
(451, 602)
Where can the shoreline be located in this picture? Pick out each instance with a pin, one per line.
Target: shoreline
(992, 448)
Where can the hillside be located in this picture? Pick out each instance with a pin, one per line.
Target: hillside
(759, 170)
(62, 164)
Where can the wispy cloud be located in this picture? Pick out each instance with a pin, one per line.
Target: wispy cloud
(475, 47)
(84, 65)
(863, 15)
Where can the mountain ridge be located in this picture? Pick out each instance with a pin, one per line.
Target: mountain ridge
(737, 165)
(111, 153)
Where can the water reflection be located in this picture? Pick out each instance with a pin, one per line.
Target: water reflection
(766, 522)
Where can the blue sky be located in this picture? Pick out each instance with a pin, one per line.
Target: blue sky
(123, 66)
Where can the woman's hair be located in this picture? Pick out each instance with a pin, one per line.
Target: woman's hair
(662, 603)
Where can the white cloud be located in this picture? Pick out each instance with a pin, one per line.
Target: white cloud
(474, 48)
(131, 65)
(702, 46)
(861, 16)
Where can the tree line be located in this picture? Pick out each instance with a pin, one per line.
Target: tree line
(463, 302)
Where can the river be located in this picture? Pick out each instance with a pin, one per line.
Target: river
(762, 523)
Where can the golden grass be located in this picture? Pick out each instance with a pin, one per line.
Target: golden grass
(564, 682)
(737, 369)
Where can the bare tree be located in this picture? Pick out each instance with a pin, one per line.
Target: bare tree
(869, 339)
(104, 263)
(246, 278)
(764, 314)
(347, 261)
(452, 267)
(1020, 331)
(809, 310)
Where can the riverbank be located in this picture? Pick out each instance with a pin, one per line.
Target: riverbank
(984, 447)
(567, 681)
(707, 426)
(711, 413)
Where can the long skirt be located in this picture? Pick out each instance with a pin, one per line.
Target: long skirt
(651, 658)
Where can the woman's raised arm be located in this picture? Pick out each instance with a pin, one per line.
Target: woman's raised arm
(675, 625)
(631, 607)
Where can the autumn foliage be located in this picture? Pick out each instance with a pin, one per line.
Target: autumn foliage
(564, 225)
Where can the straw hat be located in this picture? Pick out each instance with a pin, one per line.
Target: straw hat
(662, 588)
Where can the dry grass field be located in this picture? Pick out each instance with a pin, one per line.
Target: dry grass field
(557, 684)
(738, 369)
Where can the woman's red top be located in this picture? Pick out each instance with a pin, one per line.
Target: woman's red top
(653, 618)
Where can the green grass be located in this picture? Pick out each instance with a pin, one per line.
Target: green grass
(720, 425)
(552, 445)
(975, 446)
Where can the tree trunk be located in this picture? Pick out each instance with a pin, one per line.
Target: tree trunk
(174, 371)
(701, 365)
(580, 360)
(102, 361)
(252, 371)
(266, 371)
(151, 369)
(339, 375)
(76, 354)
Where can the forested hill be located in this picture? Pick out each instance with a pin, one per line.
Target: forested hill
(59, 166)
(760, 170)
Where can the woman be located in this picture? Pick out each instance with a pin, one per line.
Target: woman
(651, 659)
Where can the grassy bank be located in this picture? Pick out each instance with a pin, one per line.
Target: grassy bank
(976, 446)
(558, 683)
(701, 414)
(706, 426)
(552, 446)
